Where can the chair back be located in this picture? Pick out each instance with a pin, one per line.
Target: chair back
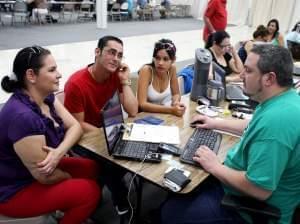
(124, 6)
(294, 49)
(30, 220)
(20, 7)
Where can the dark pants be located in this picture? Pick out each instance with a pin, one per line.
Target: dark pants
(204, 206)
(113, 178)
(110, 175)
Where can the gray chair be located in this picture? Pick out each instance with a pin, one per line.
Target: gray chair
(259, 211)
(85, 12)
(68, 10)
(124, 10)
(115, 12)
(31, 220)
(294, 49)
(20, 10)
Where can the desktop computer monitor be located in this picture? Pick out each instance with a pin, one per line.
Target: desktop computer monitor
(202, 63)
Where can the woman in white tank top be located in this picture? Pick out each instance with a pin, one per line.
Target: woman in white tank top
(158, 89)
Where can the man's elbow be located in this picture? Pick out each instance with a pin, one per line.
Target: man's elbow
(263, 195)
(132, 112)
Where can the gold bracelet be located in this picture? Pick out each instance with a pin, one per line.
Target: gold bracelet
(126, 82)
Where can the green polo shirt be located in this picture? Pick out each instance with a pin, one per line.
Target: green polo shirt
(269, 152)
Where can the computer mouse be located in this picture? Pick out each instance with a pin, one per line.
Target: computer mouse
(194, 123)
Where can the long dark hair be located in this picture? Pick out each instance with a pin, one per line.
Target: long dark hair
(277, 27)
(167, 45)
(296, 26)
(27, 58)
(217, 37)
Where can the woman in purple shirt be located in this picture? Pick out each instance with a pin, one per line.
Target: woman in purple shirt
(36, 131)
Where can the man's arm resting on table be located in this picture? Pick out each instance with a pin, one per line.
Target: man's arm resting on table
(232, 126)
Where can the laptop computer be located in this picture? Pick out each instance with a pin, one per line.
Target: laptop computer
(114, 127)
(232, 91)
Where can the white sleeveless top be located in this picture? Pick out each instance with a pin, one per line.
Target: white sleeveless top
(163, 98)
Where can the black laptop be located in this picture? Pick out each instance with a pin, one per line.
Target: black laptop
(232, 91)
(114, 127)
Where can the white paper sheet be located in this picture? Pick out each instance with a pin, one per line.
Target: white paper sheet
(154, 133)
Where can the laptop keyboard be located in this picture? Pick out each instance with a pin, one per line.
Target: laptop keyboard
(135, 149)
(199, 137)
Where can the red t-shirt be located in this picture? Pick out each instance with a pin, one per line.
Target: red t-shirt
(84, 94)
(217, 14)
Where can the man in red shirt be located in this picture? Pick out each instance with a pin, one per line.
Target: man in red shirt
(215, 17)
(88, 89)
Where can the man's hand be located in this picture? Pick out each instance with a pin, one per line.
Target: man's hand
(123, 72)
(201, 121)
(207, 158)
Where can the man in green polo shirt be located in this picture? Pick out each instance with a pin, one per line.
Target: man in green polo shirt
(265, 163)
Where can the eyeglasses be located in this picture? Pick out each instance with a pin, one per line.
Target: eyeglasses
(224, 46)
(113, 53)
(166, 46)
(33, 51)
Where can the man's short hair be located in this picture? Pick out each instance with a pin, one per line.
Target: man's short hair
(275, 59)
(104, 40)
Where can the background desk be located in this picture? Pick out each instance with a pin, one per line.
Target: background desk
(95, 143)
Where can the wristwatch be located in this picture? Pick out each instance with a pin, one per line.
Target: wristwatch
(126, 82)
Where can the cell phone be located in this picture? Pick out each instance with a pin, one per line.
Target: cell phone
(169, 149)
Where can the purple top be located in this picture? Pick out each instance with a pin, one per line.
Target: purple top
(20, 117)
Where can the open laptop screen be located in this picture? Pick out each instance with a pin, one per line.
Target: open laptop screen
(112, 119)
(218, 73)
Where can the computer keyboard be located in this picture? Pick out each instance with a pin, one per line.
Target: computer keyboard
(199, 137)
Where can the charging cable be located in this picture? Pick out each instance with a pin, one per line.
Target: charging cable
(130, 186)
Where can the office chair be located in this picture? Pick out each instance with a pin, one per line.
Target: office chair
(259, 211)
(294, 49)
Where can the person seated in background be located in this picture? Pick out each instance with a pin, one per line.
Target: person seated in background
(275, 37)
(158, 89)
(224, 55)
(265, 163)
(165, 7)
(294, 35)
(87, 91)
(36, 132)
(141, 3)
(259, 37)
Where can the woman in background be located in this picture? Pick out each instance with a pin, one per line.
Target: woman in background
(158, 89)
(260, 36)
(36, 131)
(224, 55)
(275, 37)
(294, 35)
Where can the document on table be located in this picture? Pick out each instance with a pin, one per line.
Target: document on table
(152, 133)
